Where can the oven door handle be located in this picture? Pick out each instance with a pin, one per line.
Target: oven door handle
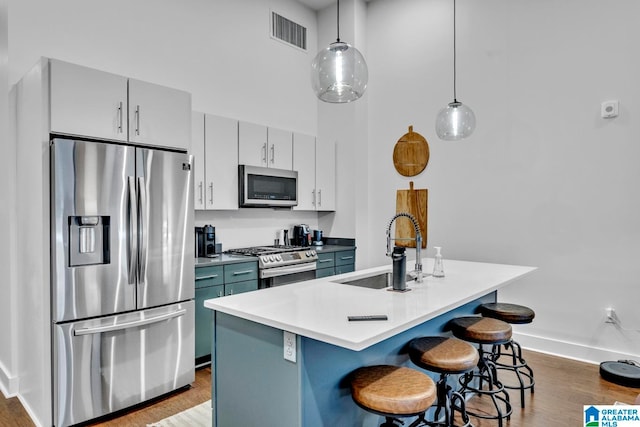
(288, 269)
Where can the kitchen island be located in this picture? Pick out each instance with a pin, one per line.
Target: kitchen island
(253, 383)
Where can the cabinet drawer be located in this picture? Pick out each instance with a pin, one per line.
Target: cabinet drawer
(345, 257)
(240, 272)
(324, 272)
(209, 276)
(240, 287)
(346, 268)
(325, 260)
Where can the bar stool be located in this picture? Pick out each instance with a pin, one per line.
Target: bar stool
(393, 392)
(446, 356)
(514, 314)
(484, 330)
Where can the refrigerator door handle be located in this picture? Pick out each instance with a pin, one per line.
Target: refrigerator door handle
(133, 229)
(128, 325)
(142, 211)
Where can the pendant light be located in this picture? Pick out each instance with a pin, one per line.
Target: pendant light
(339, 73)
(456, 121)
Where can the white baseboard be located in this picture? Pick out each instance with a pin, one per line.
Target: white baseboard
(8, 383)
(569, 350)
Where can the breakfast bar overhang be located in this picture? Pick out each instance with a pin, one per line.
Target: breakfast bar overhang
(253, 383)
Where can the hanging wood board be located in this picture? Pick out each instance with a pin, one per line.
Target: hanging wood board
(413, 202)
(411, 153)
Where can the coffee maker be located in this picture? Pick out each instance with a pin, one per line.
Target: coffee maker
(301, 235)
(206, 241)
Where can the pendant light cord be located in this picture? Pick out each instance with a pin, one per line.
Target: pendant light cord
(338, 21)
(454, 52)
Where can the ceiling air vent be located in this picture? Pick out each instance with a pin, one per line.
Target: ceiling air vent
(288, 31)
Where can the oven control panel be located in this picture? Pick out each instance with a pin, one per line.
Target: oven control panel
(287, 258)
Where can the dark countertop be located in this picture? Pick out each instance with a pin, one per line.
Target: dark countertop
(330, 245)
(331, 248)
(223, 259)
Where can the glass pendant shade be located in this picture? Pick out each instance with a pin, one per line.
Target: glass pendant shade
(454, 122)
(339, 73)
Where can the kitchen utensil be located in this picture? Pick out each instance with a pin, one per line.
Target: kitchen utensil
(286, 237)
(209, 241)
(413, 202)
(411, 153)
(301, 235)
(317, 238)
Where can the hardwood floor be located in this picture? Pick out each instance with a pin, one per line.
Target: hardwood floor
(563, 386)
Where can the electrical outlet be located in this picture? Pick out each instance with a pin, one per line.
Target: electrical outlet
(611, 315)
(289, 340)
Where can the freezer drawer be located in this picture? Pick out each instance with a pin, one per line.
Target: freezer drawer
(107, 364)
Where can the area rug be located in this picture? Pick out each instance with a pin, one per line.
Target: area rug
(198, 416)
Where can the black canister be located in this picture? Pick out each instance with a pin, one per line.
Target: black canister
(399, 268)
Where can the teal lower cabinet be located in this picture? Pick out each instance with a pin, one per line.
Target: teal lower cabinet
(214, 282)
(345, 261)
(325, 265)
(330, 263)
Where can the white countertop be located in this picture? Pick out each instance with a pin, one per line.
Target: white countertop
(319, 308)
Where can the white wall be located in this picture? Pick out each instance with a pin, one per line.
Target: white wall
(8, 383)
(544, 180)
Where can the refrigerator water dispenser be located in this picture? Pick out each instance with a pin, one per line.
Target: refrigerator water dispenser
(88, 240)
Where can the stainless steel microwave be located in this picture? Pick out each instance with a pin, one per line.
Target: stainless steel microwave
(261, 187)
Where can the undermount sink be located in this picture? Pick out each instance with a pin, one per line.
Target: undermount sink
(375, 281)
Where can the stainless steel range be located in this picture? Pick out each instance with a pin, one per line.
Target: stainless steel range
(280, 264)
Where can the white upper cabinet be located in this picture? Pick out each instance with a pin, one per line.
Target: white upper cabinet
(214, 145)
(97, 104)
(266, 147)
(197, 149)
(252, 144)
(325, 175)
(304, 161)
(159, 115)
(221, 162)
(87, 102)
(280, 148)
(315, 161)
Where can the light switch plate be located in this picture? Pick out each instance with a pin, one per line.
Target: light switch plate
(289, 340)
(609, 109)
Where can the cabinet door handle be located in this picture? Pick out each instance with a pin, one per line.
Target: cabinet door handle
(137, 120)
(238, 273)
(273, 153)
(323, 260)
(313, 195)
(343, 258)
(201, 192)
(211, 193)
(120, 117)
(264, 153)
(319, 198)
(219, 293)
(213, 276)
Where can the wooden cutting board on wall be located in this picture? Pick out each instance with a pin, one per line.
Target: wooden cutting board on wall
(414, 202)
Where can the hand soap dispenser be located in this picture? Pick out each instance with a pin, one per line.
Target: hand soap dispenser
(438, 267)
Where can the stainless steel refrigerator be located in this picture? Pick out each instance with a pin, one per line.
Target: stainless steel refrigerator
(122, 276)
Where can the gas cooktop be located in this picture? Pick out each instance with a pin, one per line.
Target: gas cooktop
(266, 250)
(278, 255)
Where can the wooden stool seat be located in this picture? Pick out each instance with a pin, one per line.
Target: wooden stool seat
(481, 330)
(510, 313)
(392, 390)
(446, 356)
(511, 359)
(443, 354)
